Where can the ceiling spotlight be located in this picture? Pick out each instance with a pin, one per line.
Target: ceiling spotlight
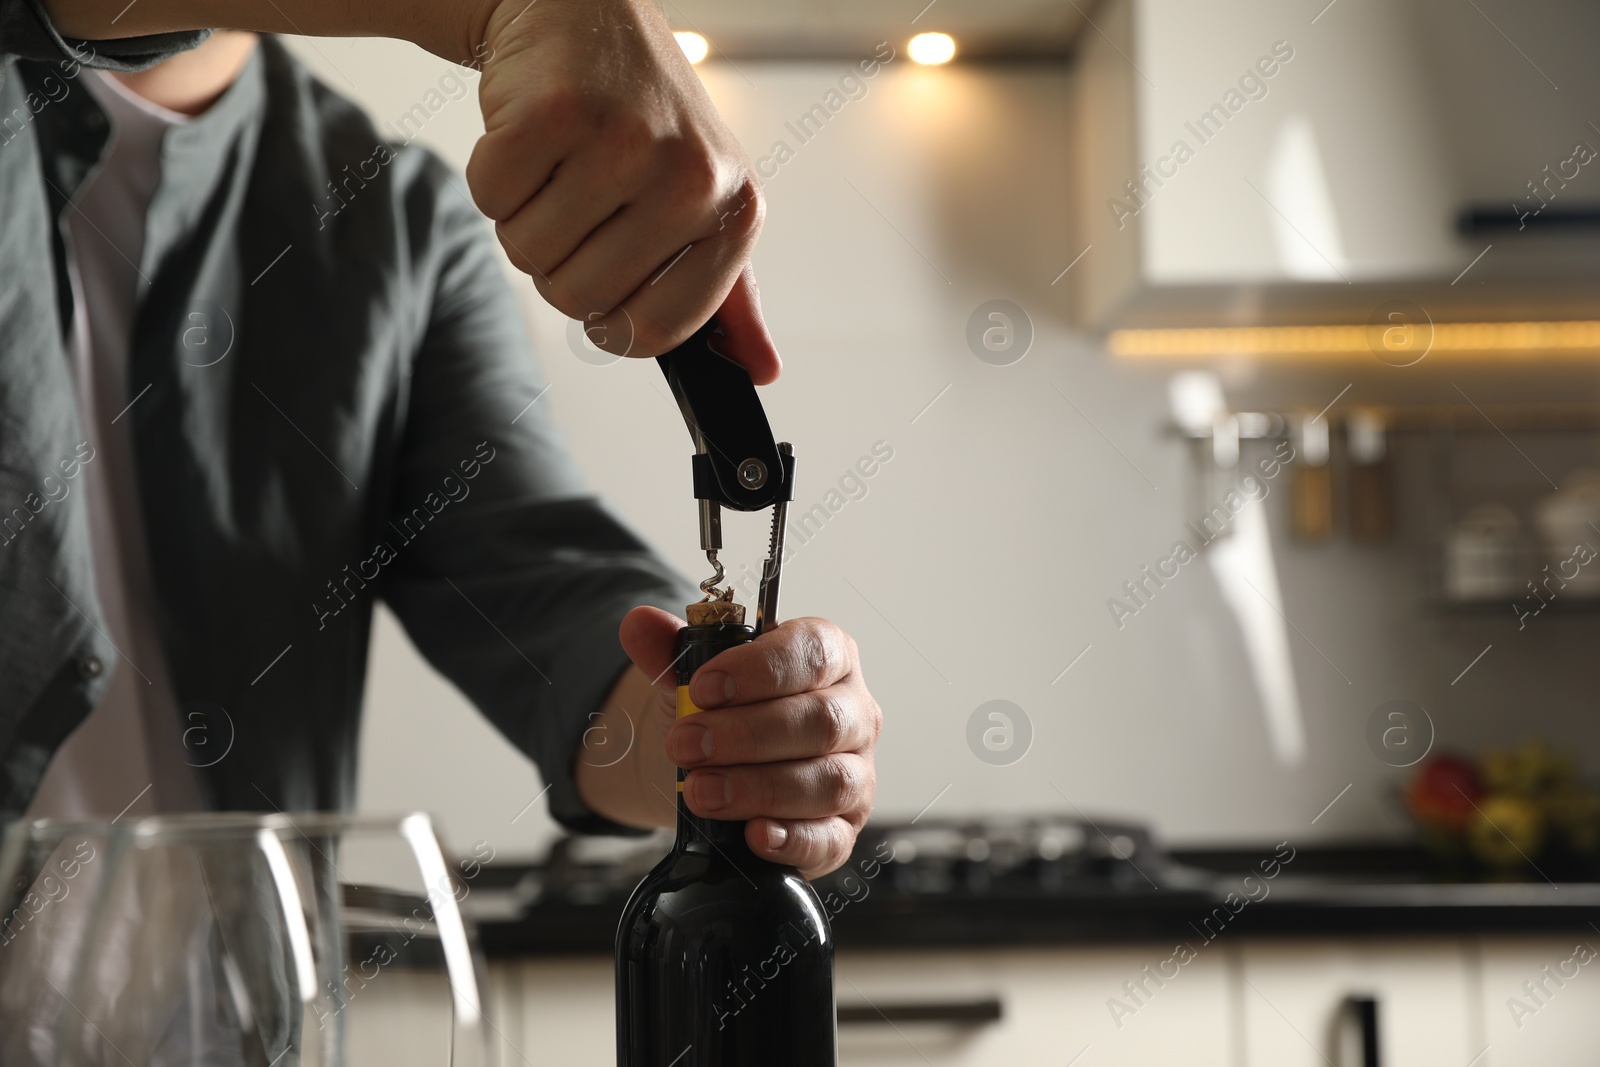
(694, 46)
(932, 48)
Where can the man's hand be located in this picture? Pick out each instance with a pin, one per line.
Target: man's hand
(610, 176)
(613, 181)
(785, 740)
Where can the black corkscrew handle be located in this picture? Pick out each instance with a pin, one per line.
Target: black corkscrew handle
(737, 462)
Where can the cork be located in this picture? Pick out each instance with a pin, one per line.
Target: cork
(712, 612)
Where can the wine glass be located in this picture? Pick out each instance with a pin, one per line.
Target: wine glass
(49, 878)
(243, 940)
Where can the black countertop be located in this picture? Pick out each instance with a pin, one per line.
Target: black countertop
(1337, 892)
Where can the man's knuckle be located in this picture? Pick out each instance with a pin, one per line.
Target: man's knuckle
(563, 110)
(753, 197)
(842, 784)
(741, 212)
(696, 175)
(834, 718)
(778, 664)
(688, 170)
(815, 650)
(817, 656)
(874, 715)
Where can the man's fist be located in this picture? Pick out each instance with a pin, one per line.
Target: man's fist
(785, 739)
(613, 181)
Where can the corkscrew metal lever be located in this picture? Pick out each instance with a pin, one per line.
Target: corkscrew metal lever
(736, 464)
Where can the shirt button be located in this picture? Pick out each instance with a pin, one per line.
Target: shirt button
(90, 667)
(95, 120)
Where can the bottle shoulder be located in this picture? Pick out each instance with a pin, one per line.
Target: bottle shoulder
(708, 875)
(693, 890)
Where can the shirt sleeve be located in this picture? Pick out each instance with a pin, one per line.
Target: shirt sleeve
(27, 33)
(516, 586)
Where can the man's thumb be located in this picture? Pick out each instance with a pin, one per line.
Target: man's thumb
(650, 636)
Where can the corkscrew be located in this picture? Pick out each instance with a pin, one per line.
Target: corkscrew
(736, 462)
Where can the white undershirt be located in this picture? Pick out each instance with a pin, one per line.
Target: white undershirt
(129, 753)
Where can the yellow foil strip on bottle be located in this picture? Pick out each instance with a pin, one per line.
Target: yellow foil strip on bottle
(686, 707)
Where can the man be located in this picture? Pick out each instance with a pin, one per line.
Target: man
(258, 367)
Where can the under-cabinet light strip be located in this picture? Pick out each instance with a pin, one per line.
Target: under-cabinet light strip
(1577, 338)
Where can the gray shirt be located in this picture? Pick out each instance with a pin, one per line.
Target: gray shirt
(367, 434)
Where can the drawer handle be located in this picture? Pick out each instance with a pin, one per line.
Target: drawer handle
(952, 1012)
(1364, 1012)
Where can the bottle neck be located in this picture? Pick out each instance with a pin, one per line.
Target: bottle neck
(718, 837)
(697, 645)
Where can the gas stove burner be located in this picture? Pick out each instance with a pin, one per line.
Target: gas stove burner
(1020, 858)
(1045, 853)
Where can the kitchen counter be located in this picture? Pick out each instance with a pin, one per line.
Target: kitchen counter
(1359, 892)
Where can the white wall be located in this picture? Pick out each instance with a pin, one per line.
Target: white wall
(980, 561)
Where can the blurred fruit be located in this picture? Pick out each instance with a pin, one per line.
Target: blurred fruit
(1527, 770)
(1442, 793)
(1508, 831)
(1514, 810)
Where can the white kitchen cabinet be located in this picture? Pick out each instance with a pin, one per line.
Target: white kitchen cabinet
(1054, 1008)
(559, 1012)
(1553, 1026)
(1250, 1003)
(1291, 995)
(1053, 1004)
(1234, 159)
(402, 1016)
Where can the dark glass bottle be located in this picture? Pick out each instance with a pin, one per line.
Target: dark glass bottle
(723, 959)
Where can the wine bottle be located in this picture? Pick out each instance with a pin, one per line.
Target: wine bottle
(723, 958)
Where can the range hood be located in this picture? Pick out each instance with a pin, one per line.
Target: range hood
(1251, 163)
